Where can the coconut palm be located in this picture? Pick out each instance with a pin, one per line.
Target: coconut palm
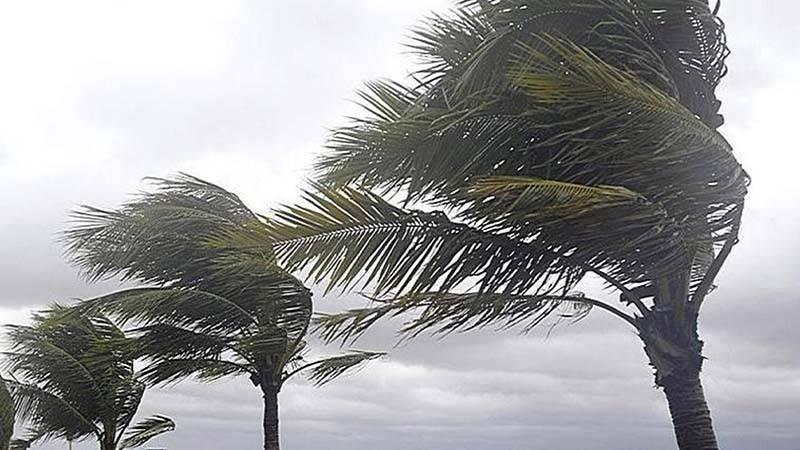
(215, 302)
(72, 378)
(540, 143)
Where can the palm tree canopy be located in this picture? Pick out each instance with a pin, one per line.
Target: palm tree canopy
(73, 378)
(217, 303)
(540, 140)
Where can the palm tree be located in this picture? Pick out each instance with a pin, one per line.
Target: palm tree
(216, 304)
(540, 143)
(72, 378)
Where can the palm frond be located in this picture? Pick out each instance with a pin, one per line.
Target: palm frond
(601, 224)
(49, 415)
(128, 398)
(170, 341)
(655, 146)
(166, 236)
(684, 38)
(444, 312)
(164, 371)
(326, 370)
(145, 430)
(174, 306)
(354, 237)
(695, 51)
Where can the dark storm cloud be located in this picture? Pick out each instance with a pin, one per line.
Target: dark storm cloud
(242, 94)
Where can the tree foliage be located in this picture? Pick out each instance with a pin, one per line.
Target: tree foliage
(539, 142)
(216, 303)
(73, 378)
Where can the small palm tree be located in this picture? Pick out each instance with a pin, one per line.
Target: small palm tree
(217, 304)
(73, 378)
(541, 142)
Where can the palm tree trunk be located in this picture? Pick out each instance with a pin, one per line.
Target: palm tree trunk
(691, 417)
(271, 437)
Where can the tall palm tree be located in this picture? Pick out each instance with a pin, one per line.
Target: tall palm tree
(73, 378)
(216, 304)
(541, 142)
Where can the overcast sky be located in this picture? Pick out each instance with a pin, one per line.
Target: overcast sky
(95, 95)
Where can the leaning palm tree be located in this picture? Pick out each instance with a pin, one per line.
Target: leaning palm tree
(216, 304)
(540, 143)
(72, 378)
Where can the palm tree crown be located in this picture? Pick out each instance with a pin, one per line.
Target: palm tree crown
(73, 379)
(541, 141)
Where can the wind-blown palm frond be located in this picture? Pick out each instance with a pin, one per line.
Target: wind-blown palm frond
(142, 432)
(686, 35)
(171, 370)
(349, 236)
(326, 370)
(174, 306)
(466, 87)
(47, 415)
(444, 312)
(168, 235)
(603, 224)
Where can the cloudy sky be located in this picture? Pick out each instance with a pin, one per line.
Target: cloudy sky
(96, 95)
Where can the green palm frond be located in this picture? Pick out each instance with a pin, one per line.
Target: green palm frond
(171, 341)
(178, 226)
(414, 146)
(326, 370)
(693, 38)
(354, 237)
(145, 430)
(164, 370)
(683, 39)
(656, 146)
(47, 415)
(174, 306)
(444, 43)
(126, 405)
(444, 312)
(594, 222)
